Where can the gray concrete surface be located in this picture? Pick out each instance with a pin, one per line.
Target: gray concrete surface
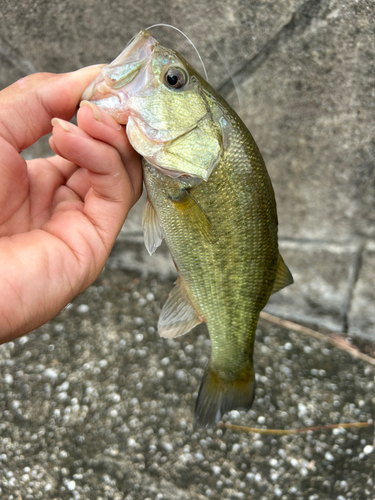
(305, 78)
(362, 312)
(95, 405)
(310, 103)
(43, 35)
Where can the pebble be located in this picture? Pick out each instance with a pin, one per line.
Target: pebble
(63, 387)
(368, 449)
(83, 308)
(51, 373)
(216, 470)
(278, 491)
(302, 410)
(8, 379)
(71, 485)
(234, 414)
(168, 447)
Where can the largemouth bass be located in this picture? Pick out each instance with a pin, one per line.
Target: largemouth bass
(210, 197)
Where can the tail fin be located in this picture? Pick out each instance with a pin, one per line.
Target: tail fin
(217, 396)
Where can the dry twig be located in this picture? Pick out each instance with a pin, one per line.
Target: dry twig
(332, 339)
(284, 432)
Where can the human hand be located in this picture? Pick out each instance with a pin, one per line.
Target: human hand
(59, 217)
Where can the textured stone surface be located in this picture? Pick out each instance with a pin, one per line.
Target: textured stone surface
(61, 36)
(310, 103)
(324, 276)
(362, 311)
(95, 405)
(130, 254)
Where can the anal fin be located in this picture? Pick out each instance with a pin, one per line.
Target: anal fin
(283, 276)
(178, 316)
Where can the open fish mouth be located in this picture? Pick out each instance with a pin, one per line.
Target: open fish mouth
(156, 93)
(122, 78)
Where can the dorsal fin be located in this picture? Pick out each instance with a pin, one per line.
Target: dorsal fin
(283, 276)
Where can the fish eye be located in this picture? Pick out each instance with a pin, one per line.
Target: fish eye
(175, 78)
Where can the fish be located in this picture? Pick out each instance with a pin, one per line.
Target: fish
(209, 196)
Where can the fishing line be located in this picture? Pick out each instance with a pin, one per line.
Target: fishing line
(198, 54)
(187, 38)
(229, 73)
(130, 41)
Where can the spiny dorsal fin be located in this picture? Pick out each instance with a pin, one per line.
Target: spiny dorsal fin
(152, 232)
(178, 316)
(283, 276)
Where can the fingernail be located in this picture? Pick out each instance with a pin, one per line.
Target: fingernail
(93, 107)
(101, 116)
(62, 124)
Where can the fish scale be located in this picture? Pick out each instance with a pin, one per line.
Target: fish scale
(210, 197)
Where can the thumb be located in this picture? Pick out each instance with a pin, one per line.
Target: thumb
(27, 106)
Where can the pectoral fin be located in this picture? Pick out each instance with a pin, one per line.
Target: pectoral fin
(283, 276)
(178, 315)
(194, 214)
(152, 231)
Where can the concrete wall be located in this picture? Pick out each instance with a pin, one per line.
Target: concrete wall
(305, 76)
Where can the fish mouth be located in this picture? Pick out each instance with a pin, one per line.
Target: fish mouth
(118, 81)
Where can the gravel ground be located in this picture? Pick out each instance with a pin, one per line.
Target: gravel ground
(94, 405)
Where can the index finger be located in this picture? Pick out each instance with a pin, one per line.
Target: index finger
(27, 106)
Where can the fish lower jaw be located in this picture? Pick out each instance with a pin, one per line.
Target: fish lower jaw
(113, 104)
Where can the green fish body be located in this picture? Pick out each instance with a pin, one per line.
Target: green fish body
(211, 199)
